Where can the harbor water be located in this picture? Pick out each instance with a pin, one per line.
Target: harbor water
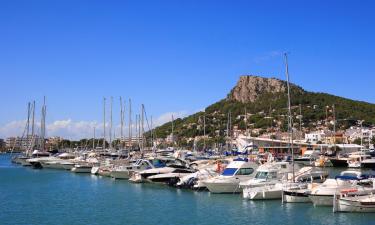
(29, 196)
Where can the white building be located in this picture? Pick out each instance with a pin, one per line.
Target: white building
(315, 137)
(365, 134)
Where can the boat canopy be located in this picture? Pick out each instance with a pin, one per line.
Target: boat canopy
(229, 171)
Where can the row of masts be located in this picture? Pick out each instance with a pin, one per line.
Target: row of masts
(139, 126)
(29, 133)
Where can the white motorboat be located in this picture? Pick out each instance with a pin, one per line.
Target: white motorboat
(322, 195)
(229, 181)
(171, 178)
(160, 166)
(299, 190)
(355, 161)
(205, 169)
(308, 158)
(194, 180)
(57, 162)
(267, 182)
(354, 201)
(266, 192)
(124, 172)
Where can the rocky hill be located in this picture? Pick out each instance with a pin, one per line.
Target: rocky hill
(250, 88)
(264, 100)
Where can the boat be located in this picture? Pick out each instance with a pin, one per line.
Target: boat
(267, 182)
(353, 201)
(343, 160)
(60, 162)
(124, 172)
(37, 162)
(206, 169)
(323, 194)
(299, 190)
(308, 157)
(229, 180)
(172, 177)
(161, 166)
(355, 160)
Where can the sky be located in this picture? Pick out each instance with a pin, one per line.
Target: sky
(175, 57)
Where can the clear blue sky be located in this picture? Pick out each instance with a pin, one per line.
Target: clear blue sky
(176, 55)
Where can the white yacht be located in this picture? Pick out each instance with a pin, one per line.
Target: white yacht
(160, 166)
(124, 172)
(58, 162)
(206, 169)
(355, 160)
(305, 179)
(267, 182)
(322, 195)
(308, 158)
(233, 174)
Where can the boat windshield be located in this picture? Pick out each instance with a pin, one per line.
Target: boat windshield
(261, 175)
(158, 163)
(266, 175)
(229, 171)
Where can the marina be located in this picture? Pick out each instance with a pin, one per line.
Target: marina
(60, 197)
(187, 112)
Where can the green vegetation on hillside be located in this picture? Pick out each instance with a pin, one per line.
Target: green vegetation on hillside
(269, 111)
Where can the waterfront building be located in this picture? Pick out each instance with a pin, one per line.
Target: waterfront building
(22, 143)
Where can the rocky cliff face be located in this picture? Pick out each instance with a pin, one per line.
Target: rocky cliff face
(250, 87)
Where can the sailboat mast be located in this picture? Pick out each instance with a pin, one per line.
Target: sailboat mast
(130, 123)
(43, 124)
(137, 128)
(93, 140)
(152, 134)
(110, 127)
(103, 123)
(33, 120)
(28, 120)
(142, 126)
(290, 119)
(121, 120)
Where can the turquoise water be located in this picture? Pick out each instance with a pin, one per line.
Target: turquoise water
(55, 197)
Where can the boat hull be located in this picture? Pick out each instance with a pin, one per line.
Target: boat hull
(295, 197)
(262, 195)
(345, 205)
(222, 188)
(120, 174)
